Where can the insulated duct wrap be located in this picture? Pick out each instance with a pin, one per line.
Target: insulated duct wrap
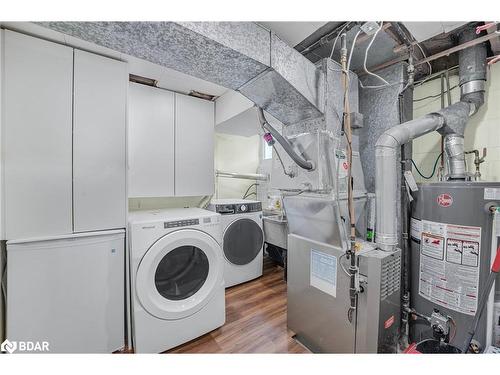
(387, 172)
(450, 122)
(241, 56)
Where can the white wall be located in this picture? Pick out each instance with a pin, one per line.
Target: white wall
(483, 129)
(234, 153)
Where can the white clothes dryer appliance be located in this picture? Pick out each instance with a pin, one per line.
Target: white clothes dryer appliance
(177, 284)
(242, 238)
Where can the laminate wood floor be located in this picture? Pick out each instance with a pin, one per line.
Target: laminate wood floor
(255, 319)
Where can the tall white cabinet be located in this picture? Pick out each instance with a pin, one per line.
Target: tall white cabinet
(37, 136)
(171, 144)
(64, 139)
(99, 139)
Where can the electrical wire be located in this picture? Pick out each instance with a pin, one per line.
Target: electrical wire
(433, 169)
(248, 195)
(366, 55)
(352, 50)
(246, 192)
(435, 96)
(425, 56)
(342, 266)
(289, 174)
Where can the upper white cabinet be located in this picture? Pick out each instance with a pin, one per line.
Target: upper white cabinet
(194, 146)
(37, 96)
(64, 139)
(171, 144)
(99, 139)
(151, 141)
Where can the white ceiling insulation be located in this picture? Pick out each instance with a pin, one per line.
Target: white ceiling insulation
(292, 32)
(424, 30)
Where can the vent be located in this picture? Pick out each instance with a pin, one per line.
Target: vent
(202, 95)
(390, 276)
(143, 80)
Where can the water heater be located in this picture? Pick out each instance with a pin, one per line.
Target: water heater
(451, 240)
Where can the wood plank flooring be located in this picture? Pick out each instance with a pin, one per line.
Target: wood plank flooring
(255, 319)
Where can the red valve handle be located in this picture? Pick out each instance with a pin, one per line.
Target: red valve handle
(496, 263)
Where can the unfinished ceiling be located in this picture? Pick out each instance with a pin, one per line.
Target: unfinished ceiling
(293, 32)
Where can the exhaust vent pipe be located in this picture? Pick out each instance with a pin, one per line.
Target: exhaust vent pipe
(450, 122)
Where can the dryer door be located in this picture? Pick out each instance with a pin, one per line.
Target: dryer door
(243, 240)
(179, 274)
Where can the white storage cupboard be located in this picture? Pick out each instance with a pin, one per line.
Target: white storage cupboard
(171, 144)
(64, 139)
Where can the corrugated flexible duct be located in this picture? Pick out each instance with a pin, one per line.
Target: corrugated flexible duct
(450, 121)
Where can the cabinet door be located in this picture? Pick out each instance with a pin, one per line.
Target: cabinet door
(194, 146)
(99, 138)
(151, 142)
(37, 94)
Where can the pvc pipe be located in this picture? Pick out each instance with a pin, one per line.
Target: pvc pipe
(243, 176)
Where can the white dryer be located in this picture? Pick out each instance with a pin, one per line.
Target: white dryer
(242, 238)
(177, 282)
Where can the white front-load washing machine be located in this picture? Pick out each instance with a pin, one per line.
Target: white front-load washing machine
(242, 238)
(177, 283)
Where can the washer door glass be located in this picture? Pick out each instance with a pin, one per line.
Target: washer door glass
(243, 240)
(181, 273)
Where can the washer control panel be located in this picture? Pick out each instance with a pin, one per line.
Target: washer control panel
(229, 209)
(181, 223)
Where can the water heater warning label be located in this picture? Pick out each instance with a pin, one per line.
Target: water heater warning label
(449, 265)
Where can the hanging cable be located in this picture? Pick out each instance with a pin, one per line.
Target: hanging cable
(246, 192)
(433, 169)
(248, 195)
(352, 50)
(425, 56)
(366, 55)
(434, 96)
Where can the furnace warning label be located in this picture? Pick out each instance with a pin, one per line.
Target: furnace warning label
(449, 265)
(324, 272)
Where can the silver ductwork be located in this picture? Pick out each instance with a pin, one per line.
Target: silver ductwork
(450, 122)
(388, 170)
(472, 71)
(242, 56)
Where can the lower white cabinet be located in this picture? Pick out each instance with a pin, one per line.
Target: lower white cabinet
(68, 291)
(99, 139)
(194, 146)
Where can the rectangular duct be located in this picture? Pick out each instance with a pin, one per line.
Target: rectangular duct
(241, 56)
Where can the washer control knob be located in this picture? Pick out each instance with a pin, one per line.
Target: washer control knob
(243, 208)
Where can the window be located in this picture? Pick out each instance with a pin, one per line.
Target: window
(268, 151)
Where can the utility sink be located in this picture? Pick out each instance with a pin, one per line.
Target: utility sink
(275, 229)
